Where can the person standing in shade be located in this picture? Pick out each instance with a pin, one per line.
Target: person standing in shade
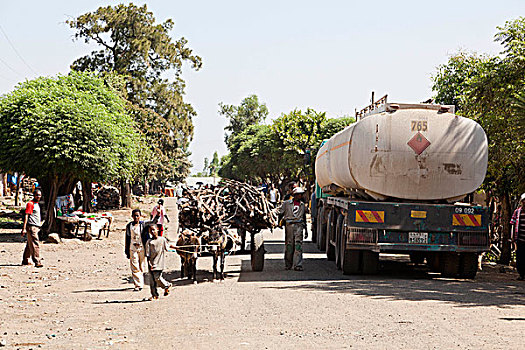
(137, 236)
(294, 216)
(313, 213)
(31, 227)
(274, 196)
(158, 215)
(518, 237)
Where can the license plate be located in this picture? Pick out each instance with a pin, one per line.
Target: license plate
(418, 237)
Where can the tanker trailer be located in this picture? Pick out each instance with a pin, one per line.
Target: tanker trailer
(391, 182)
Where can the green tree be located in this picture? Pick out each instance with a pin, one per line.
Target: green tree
(275, 153)
(66, 129)
(451, 78)
(249, 112)
(214, 164)
(256, 154)
(134, 46)
(206, 165)
(301, 134)
(491, 95)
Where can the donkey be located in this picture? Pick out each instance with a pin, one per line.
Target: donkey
(189, 251)
(221, 242)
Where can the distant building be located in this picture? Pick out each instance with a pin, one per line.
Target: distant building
(196, 181)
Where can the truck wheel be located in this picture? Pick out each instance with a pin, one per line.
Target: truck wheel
(370, 261)
(468, 265)
(242, 234)
(313, 228)
(449, 264)
(433, 262)
(351, 261)
(330, 226)
(257, 252)
(417, 258)
(321, 230)
(338, 241)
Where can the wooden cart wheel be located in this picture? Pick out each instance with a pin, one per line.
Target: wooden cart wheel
(257, 251)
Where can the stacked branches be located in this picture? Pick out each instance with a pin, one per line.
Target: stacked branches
(108, 197)
(230, 204)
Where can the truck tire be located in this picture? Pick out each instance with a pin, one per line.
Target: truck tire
(370, 262)
(449, 264)
(350, 261)
(338, 241)
(417, 258)
(321, 229)
(433, 262)
(468, 265)
(257, 252)
(330, 226)
(313, 228)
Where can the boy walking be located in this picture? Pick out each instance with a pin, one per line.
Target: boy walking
(156, 249)
(137, 236)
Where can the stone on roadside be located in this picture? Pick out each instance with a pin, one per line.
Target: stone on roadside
(53, 238)
(3, 342)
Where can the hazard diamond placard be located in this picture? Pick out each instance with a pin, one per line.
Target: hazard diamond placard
(418, 143)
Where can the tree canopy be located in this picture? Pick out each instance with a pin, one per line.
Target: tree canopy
(281, 151)
(491, 90)
(249, 112)
(133, 45)
(64, 129)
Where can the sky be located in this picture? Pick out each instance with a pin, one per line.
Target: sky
(326, 55)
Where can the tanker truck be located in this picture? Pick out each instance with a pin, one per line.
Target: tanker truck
(395, 182)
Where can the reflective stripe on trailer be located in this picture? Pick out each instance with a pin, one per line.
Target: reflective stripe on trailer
(371, 216)
(466, 220)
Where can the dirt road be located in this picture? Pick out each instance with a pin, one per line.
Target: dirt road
(83, 298)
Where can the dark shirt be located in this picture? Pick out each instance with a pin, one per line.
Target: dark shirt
(521, 227)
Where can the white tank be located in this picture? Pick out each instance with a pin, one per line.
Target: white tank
(413, 152)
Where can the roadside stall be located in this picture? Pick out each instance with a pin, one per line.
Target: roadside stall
(81, 224)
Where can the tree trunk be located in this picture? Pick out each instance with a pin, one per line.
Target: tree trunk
(152, 186)
(506, 214)
(52, 187)
(146, 186)
(125, 193)
(87, 197)
(50, 193)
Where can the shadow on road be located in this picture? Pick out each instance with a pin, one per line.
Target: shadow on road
(125, 289)
(120, 301)
(12, 237)
(173, 276)
(398, 279)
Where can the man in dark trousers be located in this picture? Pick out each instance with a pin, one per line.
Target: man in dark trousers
(294, 215)
(31, 227)
(518, 237)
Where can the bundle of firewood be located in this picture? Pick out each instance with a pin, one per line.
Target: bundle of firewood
(108, 197)
(230, 204)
